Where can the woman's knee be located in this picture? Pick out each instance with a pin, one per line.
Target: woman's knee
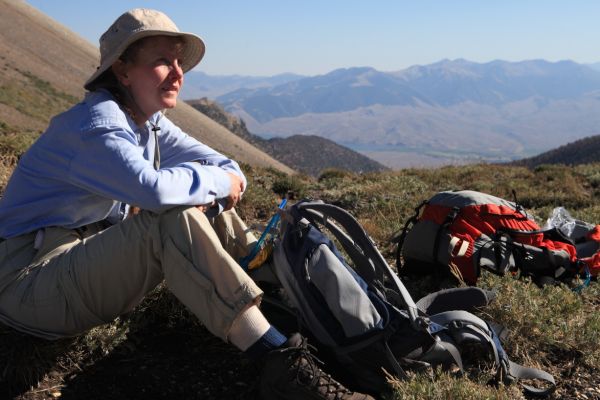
(185, 222)
(174, 217)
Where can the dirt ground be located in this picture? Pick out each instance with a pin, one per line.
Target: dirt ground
(166, 354)
(158, 362)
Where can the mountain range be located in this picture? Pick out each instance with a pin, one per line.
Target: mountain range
(453, 111)
(199, 84)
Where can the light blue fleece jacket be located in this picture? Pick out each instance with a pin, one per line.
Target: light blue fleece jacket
(93, 157)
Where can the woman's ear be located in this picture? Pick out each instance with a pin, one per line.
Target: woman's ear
(120, 70)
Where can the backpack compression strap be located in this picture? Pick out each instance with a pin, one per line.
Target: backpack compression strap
(399, 236)
(462, 326)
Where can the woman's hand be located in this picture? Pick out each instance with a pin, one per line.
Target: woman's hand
(204, 207)
(236, 188)
(235, 191)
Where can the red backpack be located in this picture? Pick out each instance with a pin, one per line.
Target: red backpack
(462, 232)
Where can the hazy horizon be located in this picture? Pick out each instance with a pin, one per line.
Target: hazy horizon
(266, 37)
(591, 64)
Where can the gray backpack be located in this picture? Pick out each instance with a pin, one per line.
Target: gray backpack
(363, 315)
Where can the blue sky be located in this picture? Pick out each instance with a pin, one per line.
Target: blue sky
(311, 37)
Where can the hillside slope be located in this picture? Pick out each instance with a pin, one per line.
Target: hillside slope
(582, 151)
(38, 55)
(306, 153)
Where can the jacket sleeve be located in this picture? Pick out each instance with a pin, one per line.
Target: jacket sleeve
(177, 147)
(111, 164)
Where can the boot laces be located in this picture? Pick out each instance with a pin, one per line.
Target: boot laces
(309, 373)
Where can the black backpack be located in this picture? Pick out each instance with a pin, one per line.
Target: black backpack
(362, 315)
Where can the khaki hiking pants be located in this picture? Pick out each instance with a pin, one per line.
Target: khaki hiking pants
(77, 281)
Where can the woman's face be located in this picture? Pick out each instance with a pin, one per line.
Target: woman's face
(154, 77)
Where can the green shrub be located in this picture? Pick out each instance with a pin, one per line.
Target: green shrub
(333, 173)
(292, 186)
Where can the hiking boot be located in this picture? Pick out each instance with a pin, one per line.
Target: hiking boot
(292, 372)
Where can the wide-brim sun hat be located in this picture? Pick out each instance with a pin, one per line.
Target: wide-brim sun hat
(137, 24)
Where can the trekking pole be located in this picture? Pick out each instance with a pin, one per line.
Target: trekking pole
(245, 261)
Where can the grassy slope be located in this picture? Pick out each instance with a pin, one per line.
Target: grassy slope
(552, 328)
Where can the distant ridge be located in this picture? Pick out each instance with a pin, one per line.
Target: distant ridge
(449, 112)
(199, 84)
(445, 83)
(582, 151)
(340, 90)
(306, 153)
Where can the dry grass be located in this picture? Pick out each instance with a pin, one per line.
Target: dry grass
(555, 318)
(443, 386)
(552, 328)
(7, 164)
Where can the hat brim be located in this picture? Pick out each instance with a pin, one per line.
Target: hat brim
(193, 51)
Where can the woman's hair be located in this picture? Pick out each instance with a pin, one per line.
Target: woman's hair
(109, 81)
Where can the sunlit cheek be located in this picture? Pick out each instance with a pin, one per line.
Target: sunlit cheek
(163, 74)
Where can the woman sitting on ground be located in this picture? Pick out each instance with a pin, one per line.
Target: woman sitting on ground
(72, 255)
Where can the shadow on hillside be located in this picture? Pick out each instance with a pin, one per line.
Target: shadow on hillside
(161, 357)
(26, 360)
(161, 362)
(156, 361)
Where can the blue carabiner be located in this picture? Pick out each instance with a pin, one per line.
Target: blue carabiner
(245, 261)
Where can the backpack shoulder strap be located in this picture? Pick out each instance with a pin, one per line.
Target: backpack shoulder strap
(352, 237)
(359, 246)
